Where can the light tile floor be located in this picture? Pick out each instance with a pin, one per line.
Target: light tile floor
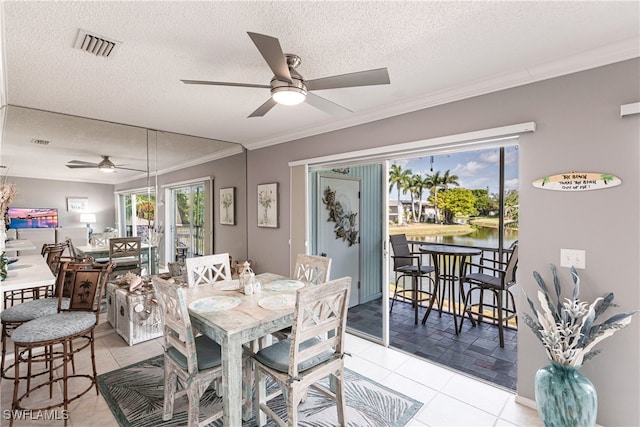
(450, 398)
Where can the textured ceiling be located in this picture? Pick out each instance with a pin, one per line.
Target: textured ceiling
(434, 51)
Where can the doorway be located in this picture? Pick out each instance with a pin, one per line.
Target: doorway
(189, 220)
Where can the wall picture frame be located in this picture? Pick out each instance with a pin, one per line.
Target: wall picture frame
(77, 204)
(228, 206)
(268, 205)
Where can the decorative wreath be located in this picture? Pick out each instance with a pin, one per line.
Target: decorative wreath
(345, 227)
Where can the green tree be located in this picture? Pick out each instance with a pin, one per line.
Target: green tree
(511, 208)
(456, 202)
(484, 203)
(399, 178)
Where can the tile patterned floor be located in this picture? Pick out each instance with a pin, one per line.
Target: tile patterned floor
(450, 398)
(476, 351)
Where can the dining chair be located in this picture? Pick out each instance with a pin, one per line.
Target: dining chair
(71, 328)
(16, 315)
(312, 269)
(207, 269)
(497, 277)
(125, 254)
(314, 351)
(195, 361)
(409, 264)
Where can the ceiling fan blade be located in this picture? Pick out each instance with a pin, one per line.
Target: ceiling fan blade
(264, 108)
(130, 169)
(204, 82)
(82, 162)
(325, 105)
(88, 166)
(271, 51)
(379, 76)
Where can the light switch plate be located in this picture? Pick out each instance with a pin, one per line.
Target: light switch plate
(573, 257)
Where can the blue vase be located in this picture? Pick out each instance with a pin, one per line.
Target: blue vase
(565, 398)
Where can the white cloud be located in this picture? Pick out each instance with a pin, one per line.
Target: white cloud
(471, 168)
(511, 184)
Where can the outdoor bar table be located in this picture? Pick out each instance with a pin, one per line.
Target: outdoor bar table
(450, 263)
(232, 327)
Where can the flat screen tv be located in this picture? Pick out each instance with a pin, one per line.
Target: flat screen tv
(33, 217)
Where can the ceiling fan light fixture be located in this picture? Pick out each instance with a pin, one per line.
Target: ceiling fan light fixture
(107, 168)
(287, 95)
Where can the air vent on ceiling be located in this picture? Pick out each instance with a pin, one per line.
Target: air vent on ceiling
(40, 141)
(95, 44)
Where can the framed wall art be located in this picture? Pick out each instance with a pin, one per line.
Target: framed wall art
(268, 205)
(77, 204)
(228, 206)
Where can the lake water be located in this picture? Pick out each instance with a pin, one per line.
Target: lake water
(483, 237)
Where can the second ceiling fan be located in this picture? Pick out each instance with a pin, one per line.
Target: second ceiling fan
(288, 87)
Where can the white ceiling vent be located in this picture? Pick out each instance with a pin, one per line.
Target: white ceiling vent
(95, 44)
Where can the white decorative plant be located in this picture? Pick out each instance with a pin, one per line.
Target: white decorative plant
(568, 329)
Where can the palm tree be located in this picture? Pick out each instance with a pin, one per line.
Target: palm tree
(448, 180)
(434, 182)
(420, 184)
(399, 178)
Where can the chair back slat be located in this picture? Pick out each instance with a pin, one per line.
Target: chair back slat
(312, 269)
(321, 311)
(178, 333)
(512, 266)
(208, 269)
(85, 285)
(51, 252)
(400, 247)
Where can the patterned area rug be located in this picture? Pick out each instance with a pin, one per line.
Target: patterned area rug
(135, 396)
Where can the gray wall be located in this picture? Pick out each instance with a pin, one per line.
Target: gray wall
(44, 193)
(578, 128)
(227, 172)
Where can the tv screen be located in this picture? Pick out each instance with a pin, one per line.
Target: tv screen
(33, 217)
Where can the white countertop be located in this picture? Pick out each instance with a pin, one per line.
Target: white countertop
(29, 271)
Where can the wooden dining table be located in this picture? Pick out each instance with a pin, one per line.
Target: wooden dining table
(232, 319)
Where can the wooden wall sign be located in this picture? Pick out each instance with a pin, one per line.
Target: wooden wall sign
(577, 181)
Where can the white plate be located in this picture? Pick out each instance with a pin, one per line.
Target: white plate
(284, 285)
(278, 302)
(227, 285)
(205, 305)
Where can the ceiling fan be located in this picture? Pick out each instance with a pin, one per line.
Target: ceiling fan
(105, 165)
(288, 87)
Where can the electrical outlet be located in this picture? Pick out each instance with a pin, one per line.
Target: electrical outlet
(573, 258)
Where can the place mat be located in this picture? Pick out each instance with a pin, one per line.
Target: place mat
(19, 266)
(208, 304)
(227, 285)
(278, 302)
(284, 285)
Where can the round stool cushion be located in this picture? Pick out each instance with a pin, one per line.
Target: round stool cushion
(53, 327)
(32, 309)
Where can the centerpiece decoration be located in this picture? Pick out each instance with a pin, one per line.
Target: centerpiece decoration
(569, 332)
(7, 193)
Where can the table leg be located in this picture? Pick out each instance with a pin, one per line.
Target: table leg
(232, 382)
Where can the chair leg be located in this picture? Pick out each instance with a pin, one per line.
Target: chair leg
(500, 318)
(259, 396)
(395, 294)
(170, 385)
(4, 349)
(340, 403)
(194, 403)
(93, 363)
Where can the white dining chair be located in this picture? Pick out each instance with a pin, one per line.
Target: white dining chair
(207, 269)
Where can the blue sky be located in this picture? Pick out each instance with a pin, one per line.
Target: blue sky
(476, 169)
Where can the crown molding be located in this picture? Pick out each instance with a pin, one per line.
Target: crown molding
(604, 55)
